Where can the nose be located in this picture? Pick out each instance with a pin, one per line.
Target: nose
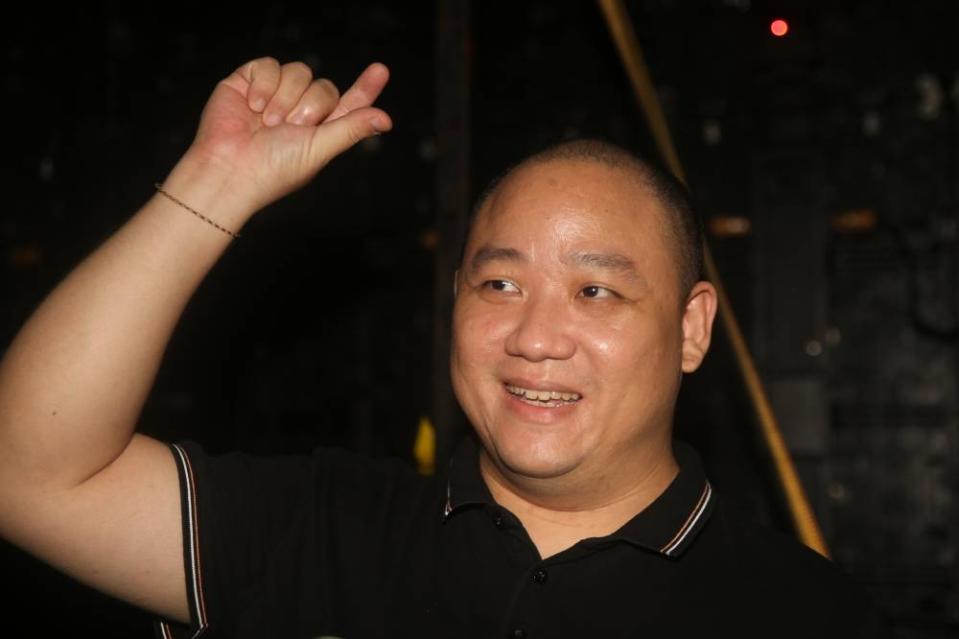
(541, 332)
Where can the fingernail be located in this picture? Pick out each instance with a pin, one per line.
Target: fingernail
(259, 104)
(376, 126)
(272, 119)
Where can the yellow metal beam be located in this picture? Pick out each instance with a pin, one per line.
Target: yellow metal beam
(627, 44)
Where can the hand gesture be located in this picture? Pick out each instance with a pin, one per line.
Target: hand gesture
(272, 127)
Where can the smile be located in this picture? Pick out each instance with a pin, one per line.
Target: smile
(543, 397)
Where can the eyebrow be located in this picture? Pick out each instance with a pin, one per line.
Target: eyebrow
(615, 262)
(607, 261)
(487, 254)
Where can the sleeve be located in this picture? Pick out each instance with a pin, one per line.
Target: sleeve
(235, 508)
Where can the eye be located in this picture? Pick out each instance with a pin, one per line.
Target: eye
(598, 292)
(503, 286)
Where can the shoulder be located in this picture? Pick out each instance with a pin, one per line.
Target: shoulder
(334, 473)
(764, 551)
(322, 459)
(251, 523)
(791, 583)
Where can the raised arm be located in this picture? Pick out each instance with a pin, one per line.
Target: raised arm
(78, 488)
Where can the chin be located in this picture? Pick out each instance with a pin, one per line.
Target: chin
(527, 461)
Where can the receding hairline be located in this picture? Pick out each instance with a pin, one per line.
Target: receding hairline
(592, 151)
(633, 174)
(681, 226)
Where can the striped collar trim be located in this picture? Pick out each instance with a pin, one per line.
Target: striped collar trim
(691, 526)
(667, 526)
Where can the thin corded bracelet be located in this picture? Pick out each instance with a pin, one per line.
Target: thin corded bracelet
(197, 213)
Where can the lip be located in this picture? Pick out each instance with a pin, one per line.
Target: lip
(542, 413)
(541, 385)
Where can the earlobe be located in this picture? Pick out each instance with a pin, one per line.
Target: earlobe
(698, 324)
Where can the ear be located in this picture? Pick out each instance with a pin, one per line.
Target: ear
(698, 324)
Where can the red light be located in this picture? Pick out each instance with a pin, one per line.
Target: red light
(779, 28)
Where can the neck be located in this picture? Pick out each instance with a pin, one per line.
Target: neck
(558, 512)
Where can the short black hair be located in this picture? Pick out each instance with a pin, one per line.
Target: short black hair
(683, 224)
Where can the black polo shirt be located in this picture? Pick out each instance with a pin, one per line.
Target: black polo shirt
(335, 545)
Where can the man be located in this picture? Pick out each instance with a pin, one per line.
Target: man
(578, 309)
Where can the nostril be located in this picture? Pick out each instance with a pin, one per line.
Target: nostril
(540, 333)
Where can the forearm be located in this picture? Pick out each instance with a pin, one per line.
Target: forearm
(74, 381)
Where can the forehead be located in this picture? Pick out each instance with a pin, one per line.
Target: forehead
(573, 202)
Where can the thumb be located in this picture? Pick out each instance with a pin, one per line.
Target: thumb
(336, 136)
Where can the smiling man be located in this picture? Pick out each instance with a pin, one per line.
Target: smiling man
(578, 308)
(572, 513)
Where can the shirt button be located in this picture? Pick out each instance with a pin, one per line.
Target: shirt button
(539, 577)
(498, 520)
(518, 633)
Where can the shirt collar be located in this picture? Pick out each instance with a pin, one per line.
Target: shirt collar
(465, 485)
(667, 526)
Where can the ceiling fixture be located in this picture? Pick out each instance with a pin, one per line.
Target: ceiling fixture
(779, 27)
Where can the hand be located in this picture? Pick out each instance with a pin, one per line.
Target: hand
(272, 127)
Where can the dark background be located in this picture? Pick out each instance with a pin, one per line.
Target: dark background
(316, 328)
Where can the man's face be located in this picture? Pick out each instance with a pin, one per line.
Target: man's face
(568, 327)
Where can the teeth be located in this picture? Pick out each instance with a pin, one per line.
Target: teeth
(542, 396)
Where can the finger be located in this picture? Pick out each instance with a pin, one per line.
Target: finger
(315, 104)
(336, 136)
(364, 91)
(263, 76)
(295, 78)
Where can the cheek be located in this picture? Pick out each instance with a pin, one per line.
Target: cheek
(478, 332)
(627, 352)
(477, 348)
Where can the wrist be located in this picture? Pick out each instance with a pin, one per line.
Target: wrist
(211, 189)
